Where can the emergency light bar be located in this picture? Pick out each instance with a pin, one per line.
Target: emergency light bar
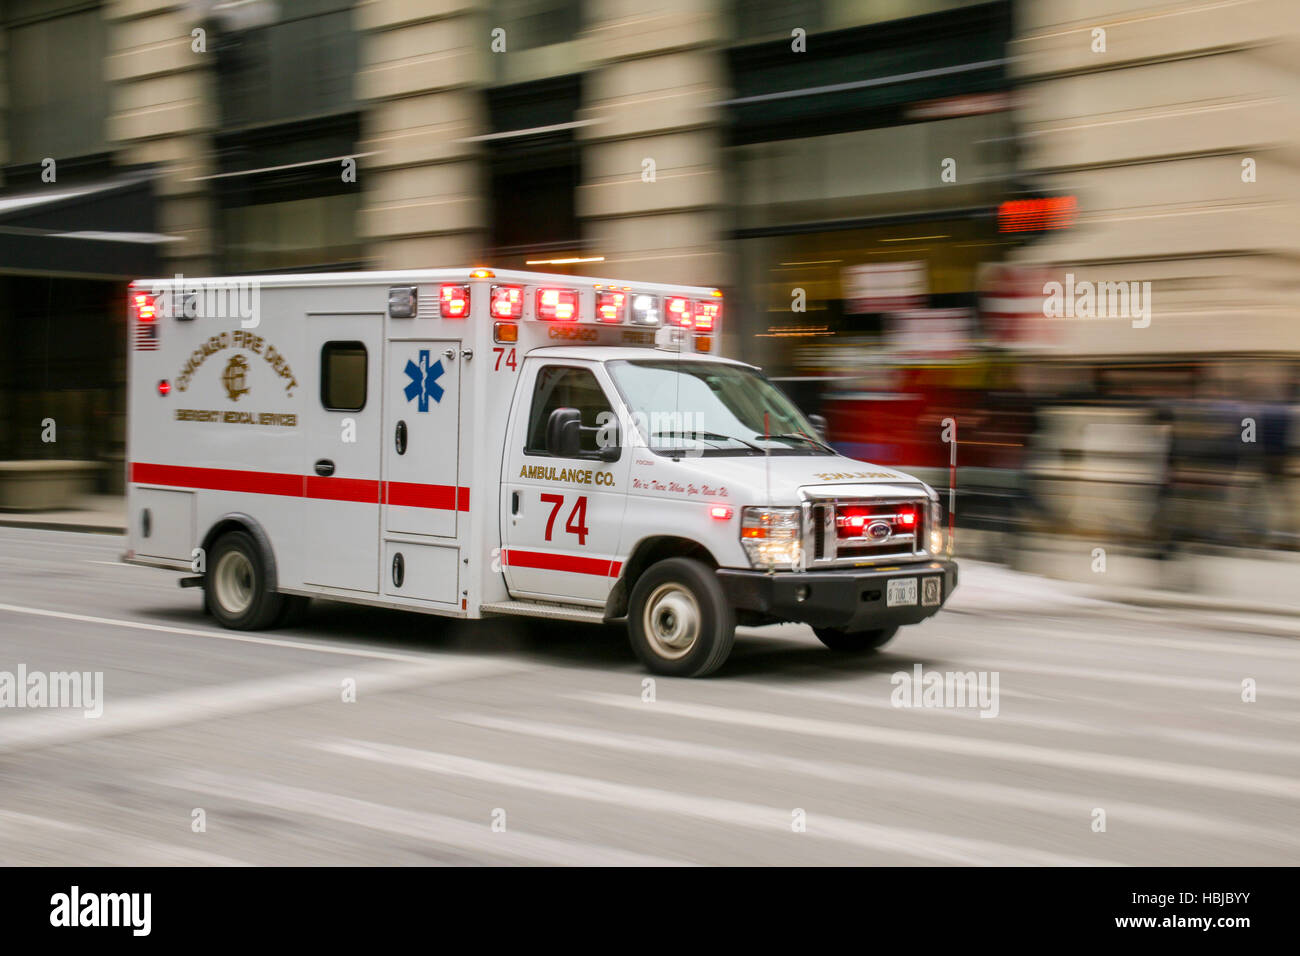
(557, 305)
(144, 308)
(645, 309)
(679, 310)
(507, 302)
(453, 301)
(611, 306)
(706, 314)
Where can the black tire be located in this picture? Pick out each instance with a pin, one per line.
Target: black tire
(679, 621)
(236, 589)
(854, 641)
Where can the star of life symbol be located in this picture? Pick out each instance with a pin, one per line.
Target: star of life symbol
(424, 380)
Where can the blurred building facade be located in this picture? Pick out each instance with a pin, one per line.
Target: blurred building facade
(802, 154)
(1176, 126)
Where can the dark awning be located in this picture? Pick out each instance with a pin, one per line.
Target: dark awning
(103, 229)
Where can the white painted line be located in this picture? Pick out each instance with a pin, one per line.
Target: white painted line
(1250, 647)
(1040, 721)
(1207, 684)
(881, 701)
(920, 844)
(123, 849)
(11, 820)
(48, 728)
(322, 648)
(1221, 778)
(415, 825)
(1077, 807)
(154, 853)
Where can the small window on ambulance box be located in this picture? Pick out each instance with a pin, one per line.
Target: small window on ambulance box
(343, 376)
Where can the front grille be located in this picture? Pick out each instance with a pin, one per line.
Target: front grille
(858, 530)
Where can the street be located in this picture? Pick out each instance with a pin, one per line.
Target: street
(1119, 735)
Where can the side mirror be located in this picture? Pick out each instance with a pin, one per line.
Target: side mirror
(819, 423)
(563, 433)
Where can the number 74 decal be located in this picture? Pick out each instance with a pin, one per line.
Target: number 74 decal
(577, 521)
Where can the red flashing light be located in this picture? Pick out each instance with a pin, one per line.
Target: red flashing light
(454, 301)
(146, 307)
(707, 312)
(1037, 215)
(721, 512)
(164, 387)
(679, 311)
(507, 302)
(907, 518)
(610, 306)
(557, 305)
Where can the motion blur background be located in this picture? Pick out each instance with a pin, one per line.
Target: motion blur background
(882, 189)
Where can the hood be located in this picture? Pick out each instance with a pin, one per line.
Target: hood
(753, 478)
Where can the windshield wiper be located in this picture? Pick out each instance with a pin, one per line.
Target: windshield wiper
(800, 436)
(707, 436)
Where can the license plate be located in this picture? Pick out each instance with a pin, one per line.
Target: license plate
(900, 591)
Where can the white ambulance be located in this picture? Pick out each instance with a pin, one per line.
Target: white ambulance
(469, 443)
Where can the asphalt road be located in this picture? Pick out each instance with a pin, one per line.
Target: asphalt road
(501, 742)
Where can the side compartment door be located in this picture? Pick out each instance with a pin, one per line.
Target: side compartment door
(340, 505)
(562, 517)
(422, 491)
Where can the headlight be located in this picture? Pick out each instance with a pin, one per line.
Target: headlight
(771, 537)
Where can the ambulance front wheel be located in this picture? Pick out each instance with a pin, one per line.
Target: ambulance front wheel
(679, 621)
(236, 591)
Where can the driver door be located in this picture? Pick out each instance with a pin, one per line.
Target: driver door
(562, 517)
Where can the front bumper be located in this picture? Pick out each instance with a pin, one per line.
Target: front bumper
(852, 599)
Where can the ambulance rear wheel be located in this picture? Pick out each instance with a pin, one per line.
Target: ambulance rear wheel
(236, 591)
(679, 621)
(850, 641)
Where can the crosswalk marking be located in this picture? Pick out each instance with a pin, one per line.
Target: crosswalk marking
(880, 701)
(429, 827)
(919, 844)
(1221, 778)
(1075, 806)
(1212, 685)
(1271, 649)
(47, 728)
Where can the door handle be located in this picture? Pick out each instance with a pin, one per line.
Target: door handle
(399, 438)
(324, 467)
(449, 354)
(514, 502)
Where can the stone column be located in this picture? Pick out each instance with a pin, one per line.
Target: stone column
(163, 112)
(652, 199)
(421, 70)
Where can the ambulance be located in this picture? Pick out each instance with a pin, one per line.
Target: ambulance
(474, 443)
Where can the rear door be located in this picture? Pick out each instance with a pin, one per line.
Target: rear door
(339, 531)
(562, 516)
(422, 491)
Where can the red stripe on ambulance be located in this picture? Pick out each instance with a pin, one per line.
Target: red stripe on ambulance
(366, 491)
(441, 497)
(573, 564)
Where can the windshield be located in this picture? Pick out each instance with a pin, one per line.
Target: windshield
(711, 408)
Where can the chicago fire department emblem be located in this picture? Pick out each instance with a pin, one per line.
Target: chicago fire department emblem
(235, 377)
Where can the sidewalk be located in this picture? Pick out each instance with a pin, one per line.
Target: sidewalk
(1254, 581)
(96, 514)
